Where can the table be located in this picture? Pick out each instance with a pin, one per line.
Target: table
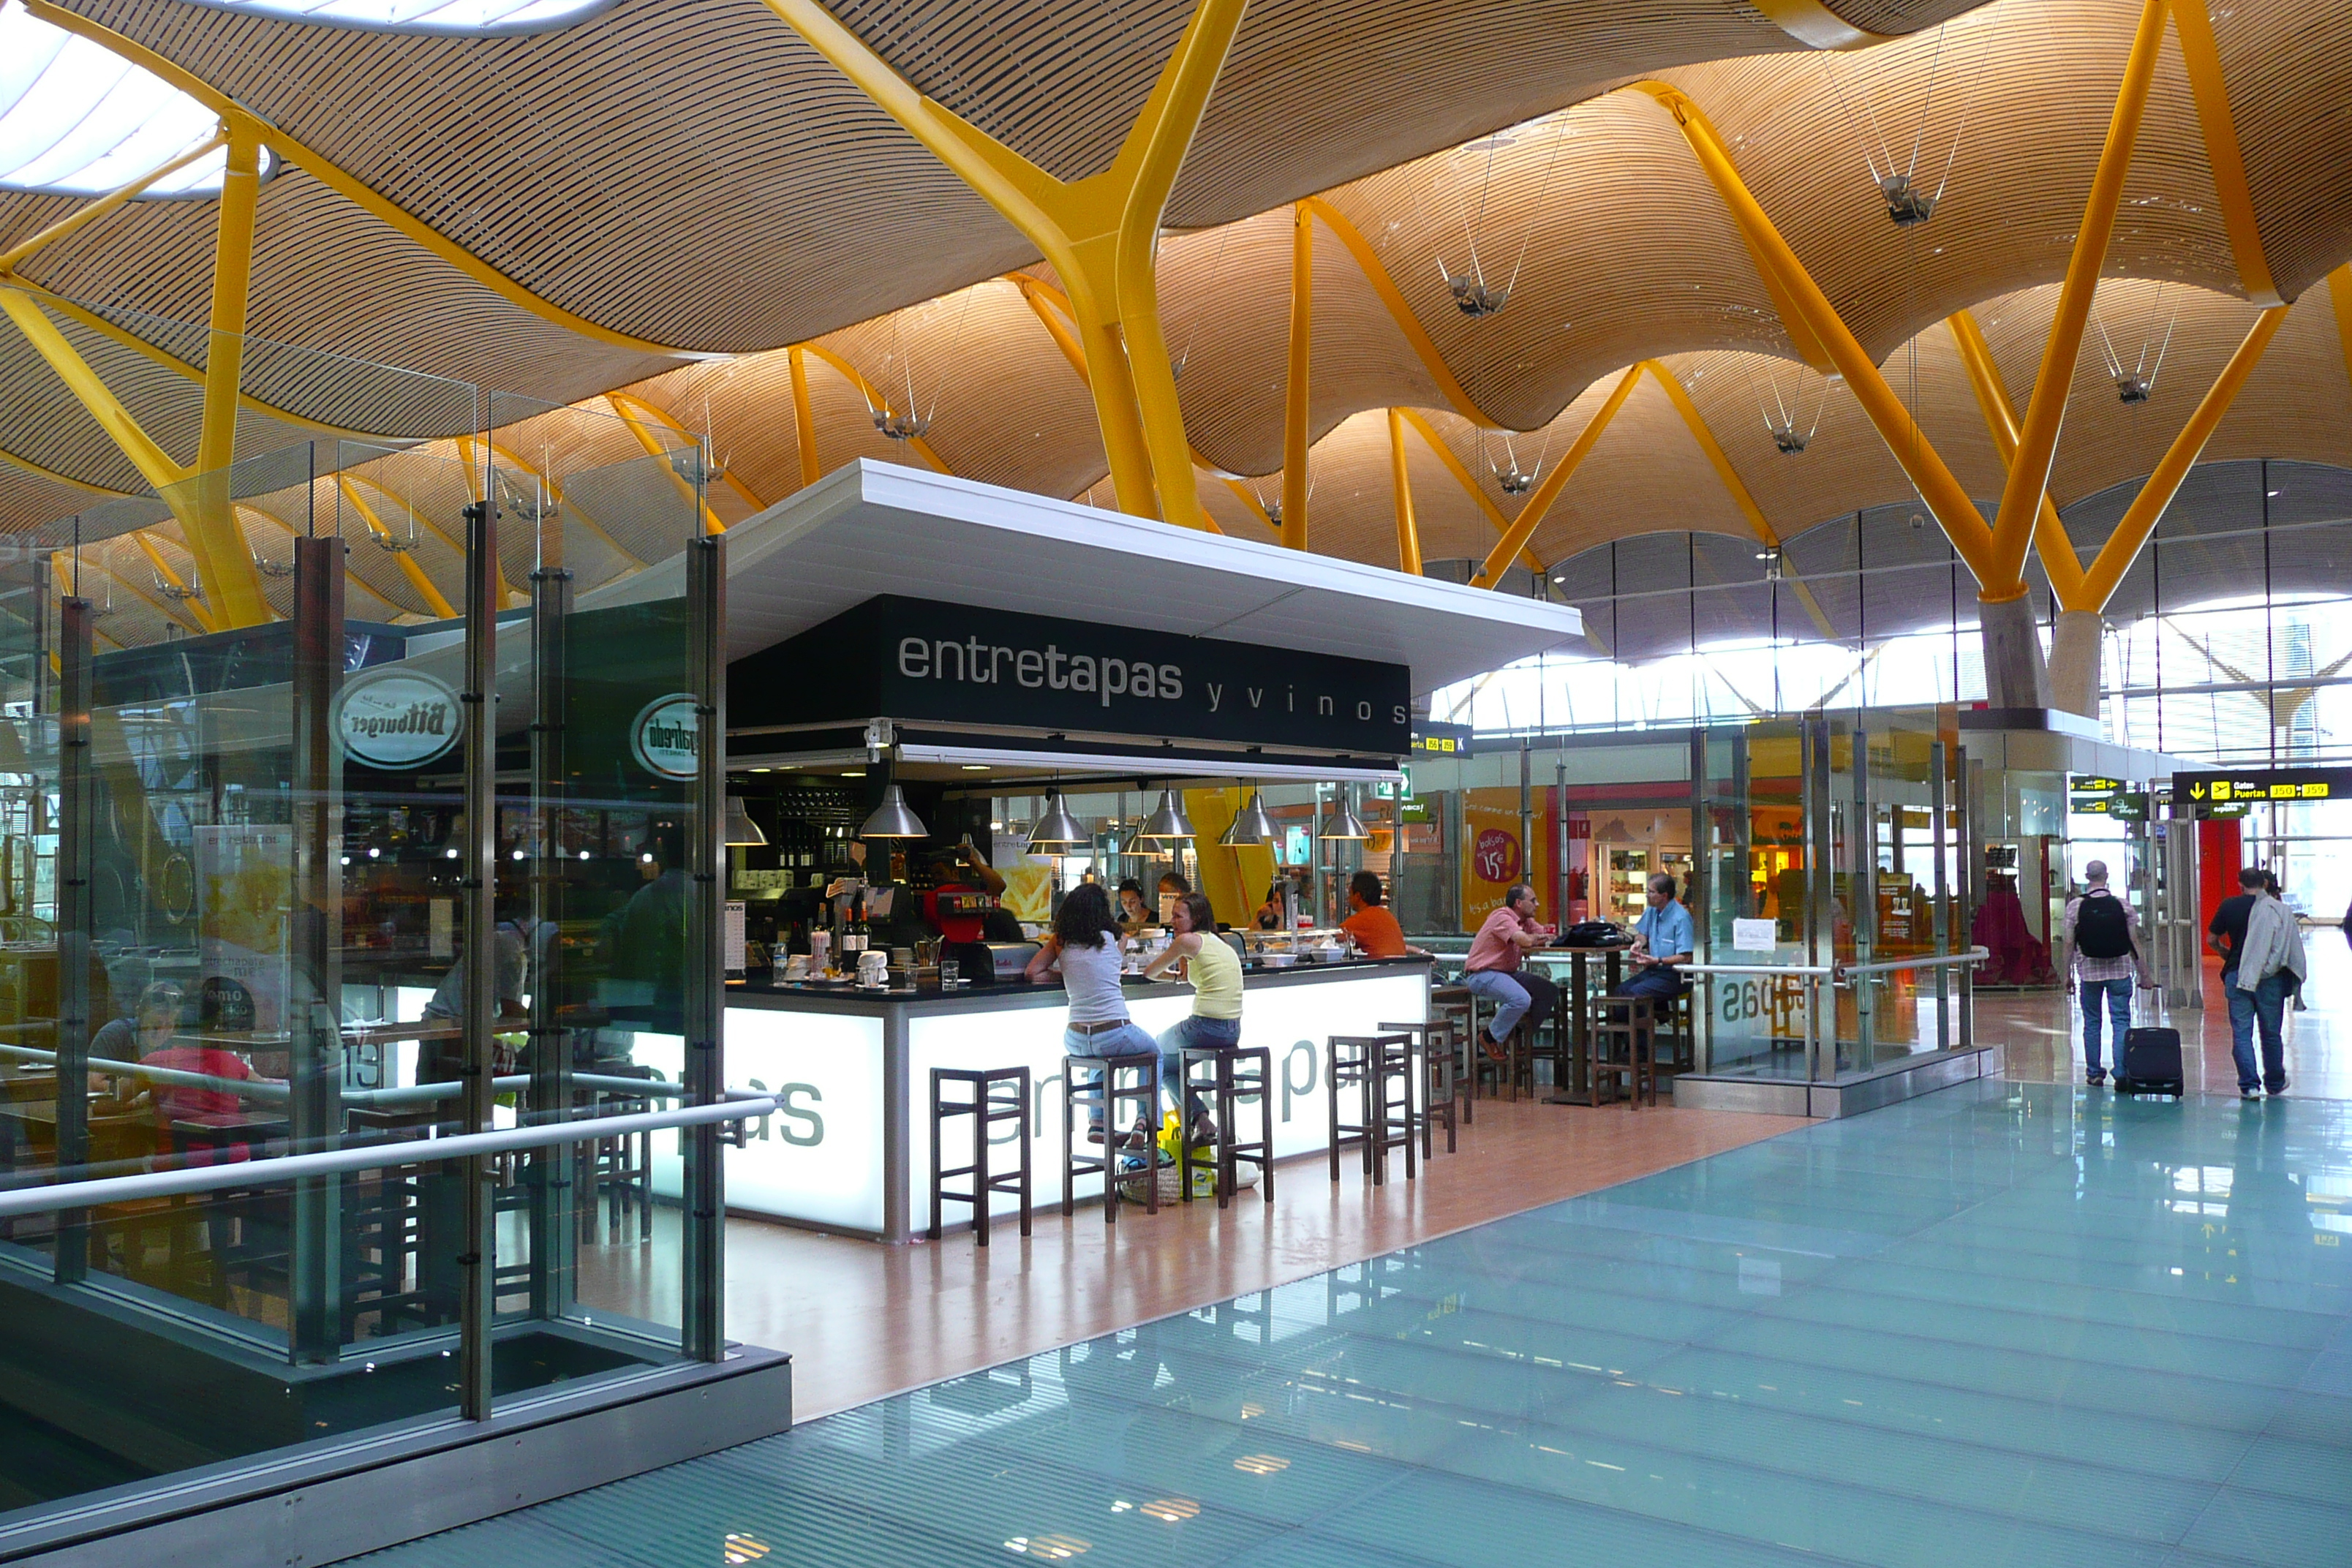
(1573, 1019)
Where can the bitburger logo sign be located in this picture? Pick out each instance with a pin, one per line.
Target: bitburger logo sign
(662, 738)
(398, 719)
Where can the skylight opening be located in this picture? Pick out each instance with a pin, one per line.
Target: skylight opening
(75, 119)
(467, 18)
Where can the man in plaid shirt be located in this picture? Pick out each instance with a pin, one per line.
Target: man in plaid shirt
(2098, 976)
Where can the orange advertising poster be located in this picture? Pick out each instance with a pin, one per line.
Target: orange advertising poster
(1493, 857)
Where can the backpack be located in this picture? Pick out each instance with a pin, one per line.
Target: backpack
(2103, 926)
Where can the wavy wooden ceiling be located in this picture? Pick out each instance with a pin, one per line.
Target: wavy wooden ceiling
(694, 175)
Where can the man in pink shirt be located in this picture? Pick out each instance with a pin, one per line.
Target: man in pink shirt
(1493, 969)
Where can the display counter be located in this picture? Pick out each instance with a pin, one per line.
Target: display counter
(848, 1150)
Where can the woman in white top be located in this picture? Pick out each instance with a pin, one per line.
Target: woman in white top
(1084, 949)
(1216, 1020)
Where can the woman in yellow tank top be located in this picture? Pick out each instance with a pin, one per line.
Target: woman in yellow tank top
(1216, 976)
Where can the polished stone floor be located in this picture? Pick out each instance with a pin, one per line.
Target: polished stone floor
(2011, 1323)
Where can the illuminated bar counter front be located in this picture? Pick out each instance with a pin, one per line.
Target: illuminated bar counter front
(849, 1150)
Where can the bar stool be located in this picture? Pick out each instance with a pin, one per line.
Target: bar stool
(1439, 1080)
(1229, 1084)
(1629, 1022)
(1373, 1066)
(986, 1106)
(1350, 1057)
(1456, 1007)
(1108, 1094)
(1677, 1049)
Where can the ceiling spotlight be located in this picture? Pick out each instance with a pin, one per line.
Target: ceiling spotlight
(1918, 521)
(1771, 556)
(1789, 439)
(1473, 298)
(2133, 388)
(1907, 204)
(901, 426)
(1515, 483)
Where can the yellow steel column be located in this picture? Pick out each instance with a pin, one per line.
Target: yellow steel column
(1937, 486)
(2202, 59)
(666, 457)
(2037, 439)
(803, 416)
(409, 568)
(2116, 556)
(1400, 478)
(2059, 561)
(1100, 234)
(1293, 398)
(875, 398)
(216, 539)
(1470, 486)
(1523, 527)
(82, 217)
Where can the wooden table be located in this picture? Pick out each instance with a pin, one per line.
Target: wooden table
(1573, 1019)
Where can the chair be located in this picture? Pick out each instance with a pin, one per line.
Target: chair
(1443, 1085)
(1624, 1037)
(1457, 1008)
(1110, 1095)
(986, 1107)
(1230, 1081)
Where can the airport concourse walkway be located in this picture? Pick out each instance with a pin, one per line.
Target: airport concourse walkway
(2011, 1323)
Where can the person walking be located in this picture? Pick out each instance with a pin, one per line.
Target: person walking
(2227, 937)
(1493, 971)
(2102, 960)
(2270, 964)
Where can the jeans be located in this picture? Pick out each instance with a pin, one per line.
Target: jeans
(2264, 1005)
(1513, 995)
(1660, 980)
(2118, 993)
(1129, 1039)
(1197, 1033)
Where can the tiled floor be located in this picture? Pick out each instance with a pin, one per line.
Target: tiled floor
(2042, 1032)
(2008, 1324)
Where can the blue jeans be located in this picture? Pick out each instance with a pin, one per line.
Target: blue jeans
(1197, 1032)
(2118, 993)
(1129, 1039)
(1659, 980)
(1513, 994)
(2264, 1005)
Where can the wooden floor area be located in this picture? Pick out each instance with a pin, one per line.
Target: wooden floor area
(863, 1319)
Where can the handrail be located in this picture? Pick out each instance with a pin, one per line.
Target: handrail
(57, 1196)
(1787, 969)
(273, 1093)
(1927, 961)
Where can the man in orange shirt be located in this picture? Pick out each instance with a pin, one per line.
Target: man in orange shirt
(1372, 928)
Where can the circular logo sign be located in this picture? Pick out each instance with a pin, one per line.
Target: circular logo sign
(1497, 856)
(399, 719)
(662, 738)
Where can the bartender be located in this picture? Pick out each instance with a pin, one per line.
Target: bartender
(969, 872)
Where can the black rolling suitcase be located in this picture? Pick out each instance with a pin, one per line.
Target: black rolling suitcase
(2151, 1062)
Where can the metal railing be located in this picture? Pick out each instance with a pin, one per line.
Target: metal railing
(60, 1196)
(1843, 973)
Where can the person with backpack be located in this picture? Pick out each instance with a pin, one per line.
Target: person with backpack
(2270, 967)
(2103, 960)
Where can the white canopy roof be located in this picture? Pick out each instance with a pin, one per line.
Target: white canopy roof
(875, 527)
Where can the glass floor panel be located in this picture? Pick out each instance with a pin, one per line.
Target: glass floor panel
(2003, 1324)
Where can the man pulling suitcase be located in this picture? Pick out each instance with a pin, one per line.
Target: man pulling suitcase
(2103, 958)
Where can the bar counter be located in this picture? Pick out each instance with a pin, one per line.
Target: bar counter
(849, 1149)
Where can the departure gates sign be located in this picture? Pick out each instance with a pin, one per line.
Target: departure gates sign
(2232, 791)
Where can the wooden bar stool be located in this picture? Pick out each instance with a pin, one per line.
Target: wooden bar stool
(1624, 1037)
(1438, 1078)
(1109, 1094)
(1395, 1120)
(1454, 1006)
(985, 1103)
(1352, 1059)
(1237, 1073)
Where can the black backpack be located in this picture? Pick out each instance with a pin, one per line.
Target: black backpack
(2103, 926)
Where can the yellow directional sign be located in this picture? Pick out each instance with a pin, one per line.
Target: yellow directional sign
(2272, 784)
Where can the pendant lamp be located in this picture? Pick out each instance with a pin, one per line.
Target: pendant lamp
(740, 828)
(893, 819)
(1058, 829)
(1168, 821)
(1345, 825)
(1251, 825)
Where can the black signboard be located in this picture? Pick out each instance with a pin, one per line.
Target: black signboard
(1433, 738)
(2238, 787)
(916, 661)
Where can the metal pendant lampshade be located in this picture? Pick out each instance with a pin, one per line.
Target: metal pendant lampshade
(1168, 822)
(1058, 829)
(1345, 825)
(740, 827)
(893, 819)
(1251, 825)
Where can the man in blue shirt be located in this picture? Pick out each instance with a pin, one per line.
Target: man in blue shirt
(1663, 939)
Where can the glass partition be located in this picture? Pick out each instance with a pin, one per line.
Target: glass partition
(270, 885)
